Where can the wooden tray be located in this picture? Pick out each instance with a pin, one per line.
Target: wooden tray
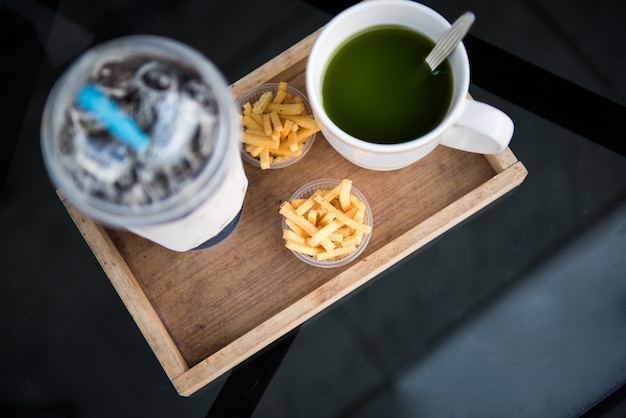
(204, 312)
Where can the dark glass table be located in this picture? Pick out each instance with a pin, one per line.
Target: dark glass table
(518, 311)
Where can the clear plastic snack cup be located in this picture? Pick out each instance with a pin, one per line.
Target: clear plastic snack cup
(142, 133)
(252, 96)
(305, 192)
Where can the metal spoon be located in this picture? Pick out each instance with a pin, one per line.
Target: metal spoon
(450, 40)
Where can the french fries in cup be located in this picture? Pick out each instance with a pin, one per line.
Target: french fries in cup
(327, 223)
(278, 126)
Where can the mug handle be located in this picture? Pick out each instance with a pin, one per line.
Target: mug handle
(481, 129)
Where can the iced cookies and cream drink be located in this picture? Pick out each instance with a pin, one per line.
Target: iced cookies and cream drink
(142, 133)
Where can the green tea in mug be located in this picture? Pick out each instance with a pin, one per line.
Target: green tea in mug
(377, 87)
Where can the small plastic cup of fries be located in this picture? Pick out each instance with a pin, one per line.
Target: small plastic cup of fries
(278, 125)
(327, 223)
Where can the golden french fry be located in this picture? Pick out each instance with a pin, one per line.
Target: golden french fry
(290, 213)
(286, 129)
(311, 216)
(267, 124)
(253, 150)
(281, 91)
(336, 253)
(247, 109)
(352, 240)
(303, 248)
(333, 193)
(297, 202)
(260, 105)
(292, 141)
(304, 133)
(290, 235)
(305, 121)
(344, 194)
(325, 232)
(335, 237)
(261, 141)
(257, 117)
(257, 132)
(326, 218)
(307, 204)
(359, 216)
(277, 124)
(265, 159)
(248, 122)
(285, 153)
(295, 228)
(286, 109)
(326, 244)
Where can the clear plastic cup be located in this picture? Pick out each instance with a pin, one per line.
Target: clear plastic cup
(186, 190)
(252, 96)
(328, 184)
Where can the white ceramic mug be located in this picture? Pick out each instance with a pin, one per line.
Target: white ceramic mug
(469, 125)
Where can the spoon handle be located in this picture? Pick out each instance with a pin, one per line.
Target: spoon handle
(450, 40)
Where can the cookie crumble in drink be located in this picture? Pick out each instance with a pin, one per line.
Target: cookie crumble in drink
(142, 133)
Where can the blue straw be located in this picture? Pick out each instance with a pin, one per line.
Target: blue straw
(122, 126)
